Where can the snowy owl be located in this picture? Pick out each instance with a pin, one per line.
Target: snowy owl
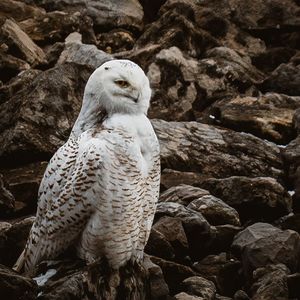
(100, 189)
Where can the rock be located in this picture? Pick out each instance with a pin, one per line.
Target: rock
(16, 287)
(151, 8)
(11, 66)
(185, 296)
(159, 246)
(13, 240)
(284, 79)
(196, 228)
(105, 14)
(195, 147)
(215, 210)
(32, 128)
(177, 30)
(7, 200)
(182, 194)
(270, 283)
(174, 273)
(291, 221)
(293, 285)
(192, 85)
(219, 297)
(87, 55)
(240, 295)
(20, 40)
(170, 178)
(268, 116)
(199, 286)
(24, 183)
(223, 271)
(261, 244)
(158, 286)
(268, 199)
(173, 232)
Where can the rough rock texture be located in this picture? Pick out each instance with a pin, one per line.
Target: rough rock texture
(225, 107)
(261, 244)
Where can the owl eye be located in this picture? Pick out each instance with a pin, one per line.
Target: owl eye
(122, 83)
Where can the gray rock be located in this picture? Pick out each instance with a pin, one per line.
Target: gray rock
(261, 244)
(199, 286)
(13, 286)
(185, 296)
(240, 295)
(268, 200)
(270, 283)
(190, 146)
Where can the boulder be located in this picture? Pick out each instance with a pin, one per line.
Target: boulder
(19, 40)
(199, 286)
(185, 296)
(270, 282)
(214, 152)
(268, 199)
(13, 286)
(268, 116)
(38, 119)
(261, 244)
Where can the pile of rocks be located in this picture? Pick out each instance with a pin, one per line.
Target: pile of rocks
(226, 109)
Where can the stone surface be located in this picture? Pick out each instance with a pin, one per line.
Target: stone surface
(268, 200)
(270, 283)
(39, 124)
(197, 229)
(200, 287)
(268, 116)
(13, 239)
(185, 296)
(214, 152)
(16, 287)
(20, 40)
(223, 270)
(261, 244)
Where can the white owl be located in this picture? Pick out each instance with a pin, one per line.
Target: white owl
(100, 189)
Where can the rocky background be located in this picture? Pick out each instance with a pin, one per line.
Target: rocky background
(226, 108)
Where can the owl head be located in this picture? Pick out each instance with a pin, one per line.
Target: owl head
(119, 86)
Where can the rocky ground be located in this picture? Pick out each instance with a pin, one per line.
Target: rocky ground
(226, 108)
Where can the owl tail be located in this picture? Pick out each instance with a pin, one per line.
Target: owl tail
(18, 266)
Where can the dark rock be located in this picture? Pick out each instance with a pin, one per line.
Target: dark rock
(199, 286)
(190, 146)
(19, 40)
(24, 183)
(268, 116)
(293, 282)
(16, 287)
(219, 297)
(261, 244)
(240, 295)
(7, 200)
(291, 221)
(159, 246)
(105, 14)
(82, 54)
(224, 271)
(13, 239)
(174, 273)
(170, 178)
(284, 79)
(268, 200)
(38, 119)
(198, 231)
(270, 283)
(173, 232)
(151, 8)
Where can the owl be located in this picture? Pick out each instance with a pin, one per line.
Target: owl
(100, 189)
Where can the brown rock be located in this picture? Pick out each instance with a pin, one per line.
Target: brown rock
(185, 296)
(261, 244)
(32, 128)
(199, 286)
(7, 200)
(268, 200)
(19, 39)
(195, 147)
(268, 116)
(16, 287)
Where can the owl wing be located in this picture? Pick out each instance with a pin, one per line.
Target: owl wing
(66, 202)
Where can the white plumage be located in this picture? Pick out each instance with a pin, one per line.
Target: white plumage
(100, 189)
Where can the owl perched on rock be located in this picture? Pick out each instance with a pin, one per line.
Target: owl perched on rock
(100, 189)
